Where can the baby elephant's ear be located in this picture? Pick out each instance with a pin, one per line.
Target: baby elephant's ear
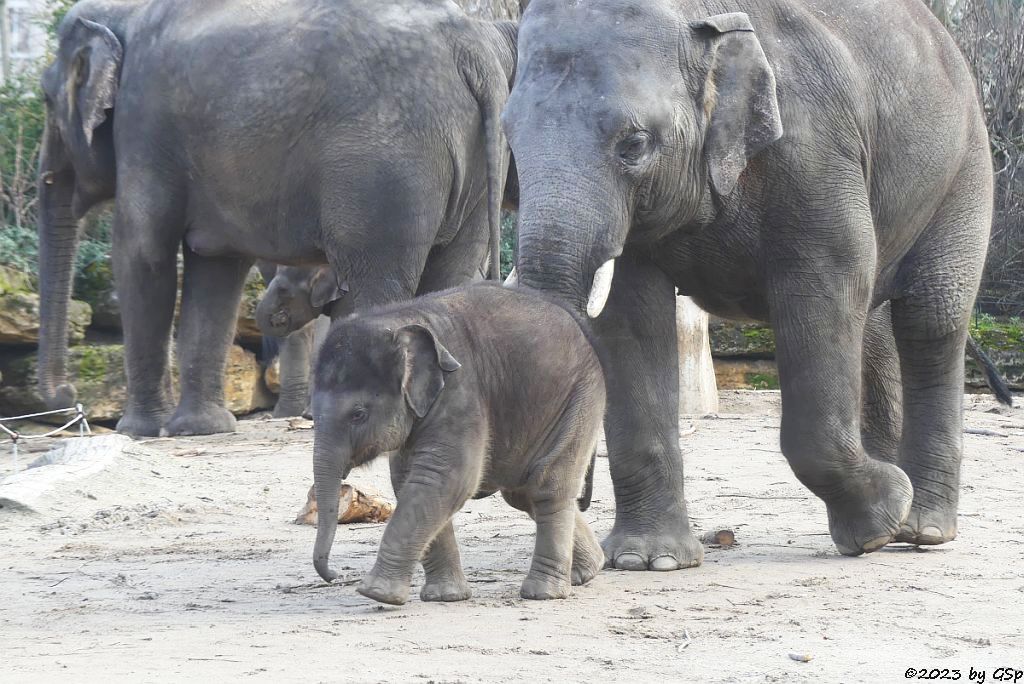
(426, 362)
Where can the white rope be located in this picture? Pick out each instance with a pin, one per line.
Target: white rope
(16, 437)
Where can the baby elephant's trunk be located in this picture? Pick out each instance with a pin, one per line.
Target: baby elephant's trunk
(328, 472)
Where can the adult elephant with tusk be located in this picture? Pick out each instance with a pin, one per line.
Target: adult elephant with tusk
(800, 162)
(359, 133)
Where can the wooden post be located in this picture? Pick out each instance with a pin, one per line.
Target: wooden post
(698, 393)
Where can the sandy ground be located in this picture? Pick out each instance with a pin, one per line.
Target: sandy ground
(181, 562)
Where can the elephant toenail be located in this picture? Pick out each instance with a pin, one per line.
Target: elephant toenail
(630, 561)
(664, 563)
(876, 543)
(847, 551)
(930, 534)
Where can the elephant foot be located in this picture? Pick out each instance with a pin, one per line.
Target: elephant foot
(587, 557)
(925, 527)
(871, 518)
(544, 588)
(667, 544)
(289, 409)
(209, 419)
(385, 590)
(138, 424)
(446, 589)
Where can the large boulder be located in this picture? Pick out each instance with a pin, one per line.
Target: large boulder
(248, 331)
(748, 340)
(19, 319)
(95, 285)
(97, 371)
(13, 281)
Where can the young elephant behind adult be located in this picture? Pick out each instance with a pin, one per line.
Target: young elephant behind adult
(477, 389)
(360, 133)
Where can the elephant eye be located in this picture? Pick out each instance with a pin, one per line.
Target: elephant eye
(358, 415)
(633, 149)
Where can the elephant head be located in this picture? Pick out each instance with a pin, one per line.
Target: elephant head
(372, 384)
(76, 172)
(626, 120)
(295, 296)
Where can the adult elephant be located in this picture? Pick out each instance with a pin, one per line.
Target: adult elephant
(358, 133)
(799, 162)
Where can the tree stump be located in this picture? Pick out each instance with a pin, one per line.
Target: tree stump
(698, 393)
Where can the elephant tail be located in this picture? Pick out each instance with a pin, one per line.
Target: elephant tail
(483, 73)
(993, 378)
(583, 502)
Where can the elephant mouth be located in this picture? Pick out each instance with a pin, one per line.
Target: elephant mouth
(279, 322)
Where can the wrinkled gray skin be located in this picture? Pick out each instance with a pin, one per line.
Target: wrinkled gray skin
(477, 389)
(801, 166)
(300, 132)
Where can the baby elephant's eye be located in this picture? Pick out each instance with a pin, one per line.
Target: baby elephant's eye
(358, 416)
(634, 148)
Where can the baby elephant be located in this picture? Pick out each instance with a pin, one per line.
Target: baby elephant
(476, 389)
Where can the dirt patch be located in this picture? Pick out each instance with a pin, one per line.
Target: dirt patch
(189, 566)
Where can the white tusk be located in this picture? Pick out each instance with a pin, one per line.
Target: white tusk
(600, 289)
(513, 278)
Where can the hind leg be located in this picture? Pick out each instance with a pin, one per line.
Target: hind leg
(930, 321)
(882, 410)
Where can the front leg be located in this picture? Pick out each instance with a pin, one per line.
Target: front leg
(441, 563)
(638, 332)
(819, 317)
(441, 477)
(210, 295)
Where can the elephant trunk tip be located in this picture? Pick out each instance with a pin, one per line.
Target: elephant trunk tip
(323, 569)
(64, 396)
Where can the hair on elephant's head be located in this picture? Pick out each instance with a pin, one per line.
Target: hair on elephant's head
(372, 384)
(624, 118)
(76, 171)
(295, 296)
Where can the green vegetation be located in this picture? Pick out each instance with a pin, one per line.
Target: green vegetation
(762, 381)
(998, 334)
(508, 242)
(93, 362)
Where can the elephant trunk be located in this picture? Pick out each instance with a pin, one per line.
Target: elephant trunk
(328, 472)
(569, 236)
(58, 247)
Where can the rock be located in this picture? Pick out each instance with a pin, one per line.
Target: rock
(354, 506)
(243, 387)
(97, 371)
(733, 338)
(19, 319)
(733, 373)
(95, 285)
(272, 376)
(13, 281)
(248, 331)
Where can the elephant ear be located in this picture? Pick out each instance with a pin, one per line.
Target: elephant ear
(739, 96)
(95, 71)
(426, 362)
(325, 288)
